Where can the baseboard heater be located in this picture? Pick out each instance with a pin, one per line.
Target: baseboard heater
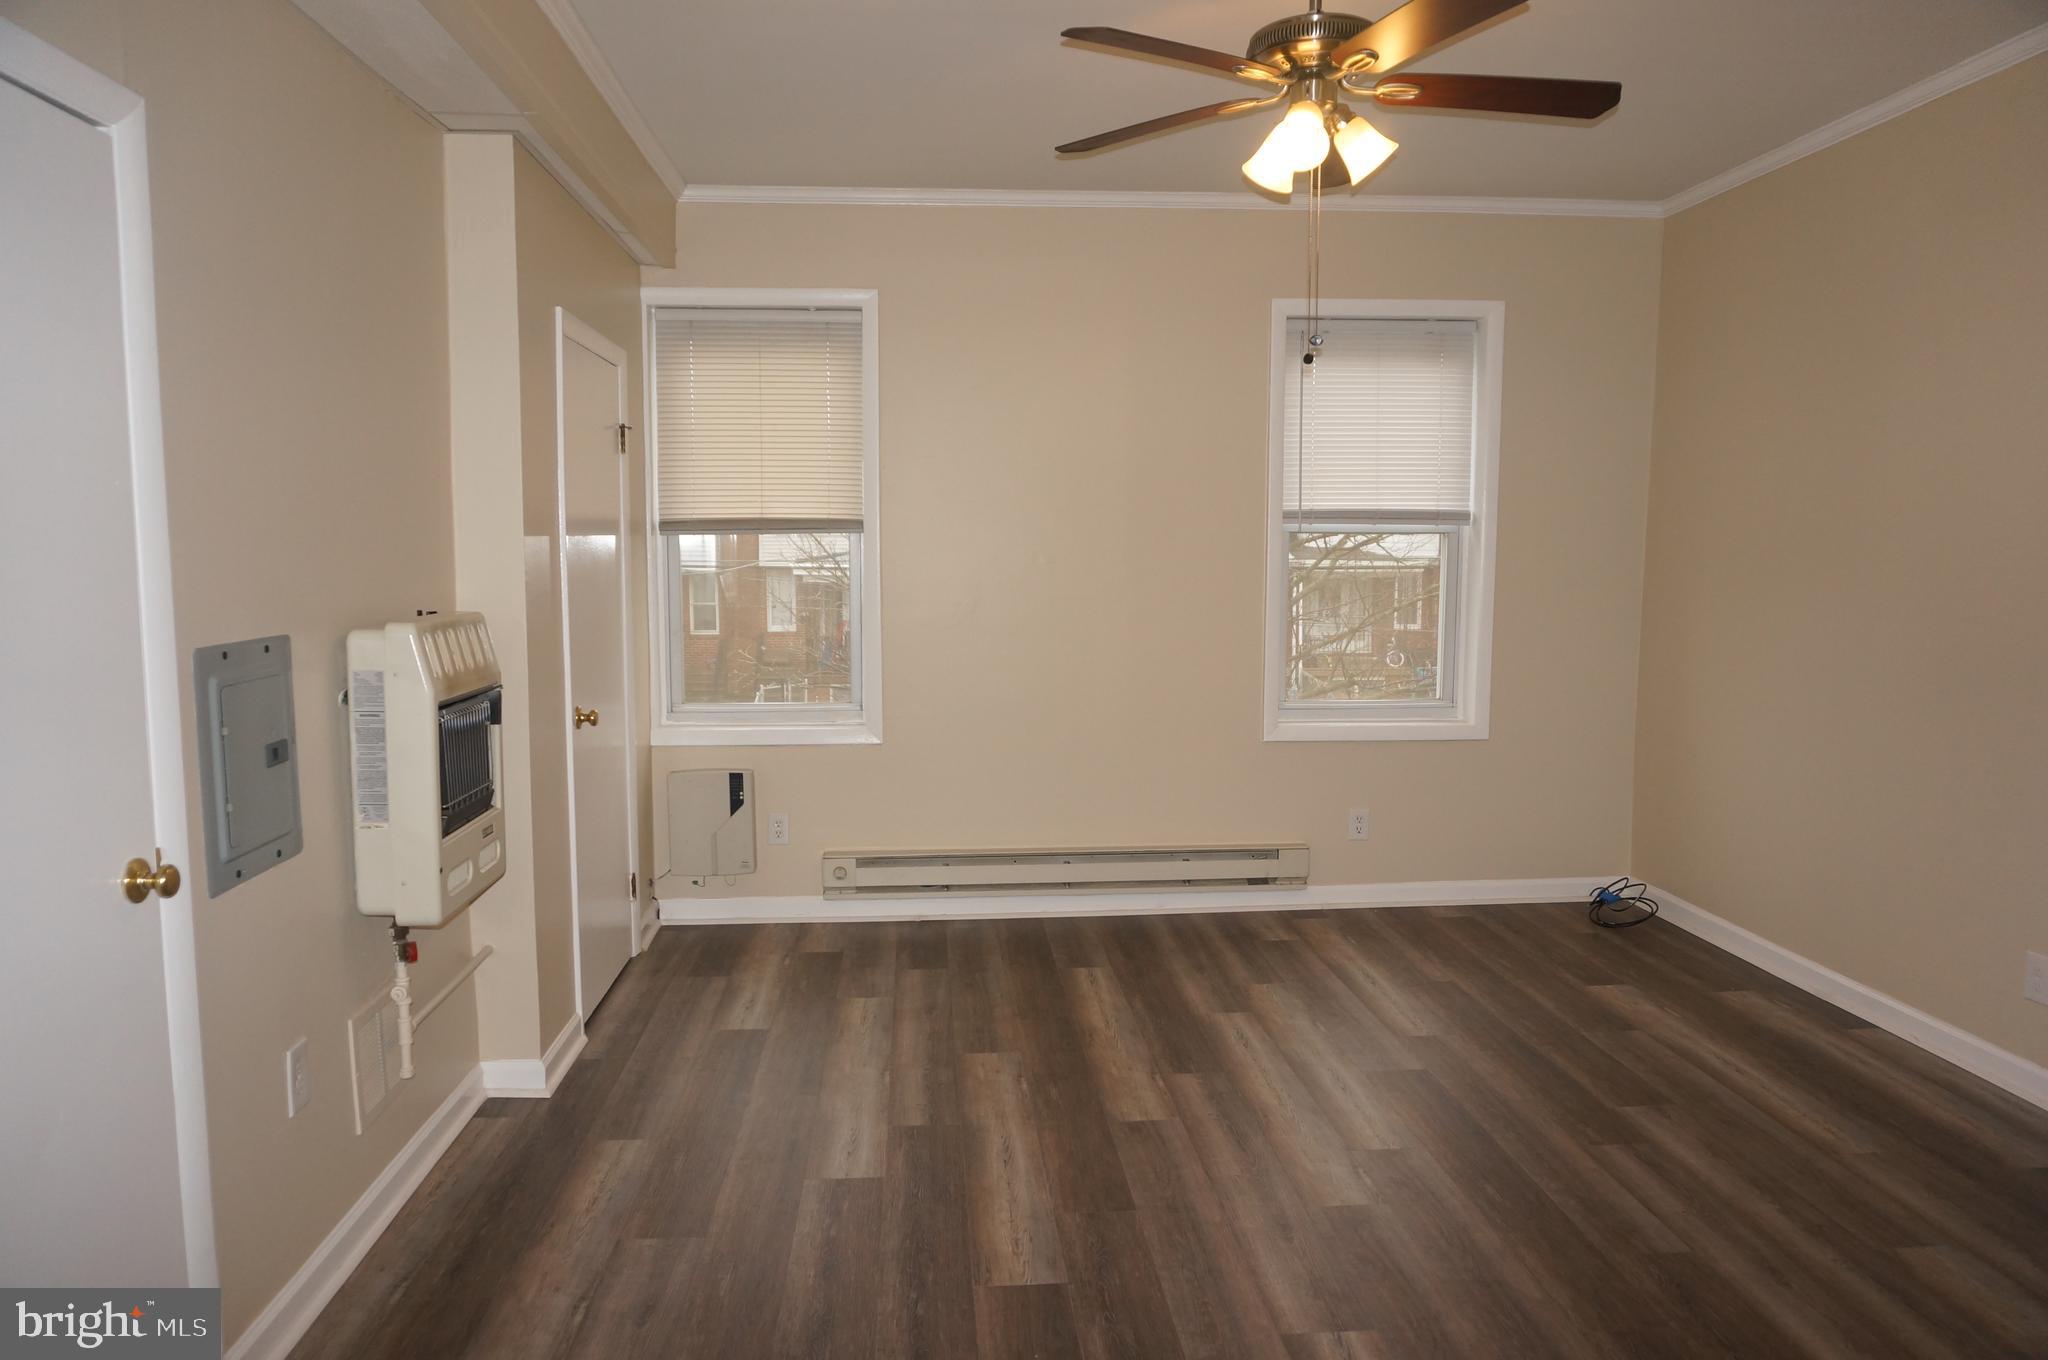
(1141, 869)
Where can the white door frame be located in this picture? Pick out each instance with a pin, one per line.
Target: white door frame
(567, 329)
(52, 75)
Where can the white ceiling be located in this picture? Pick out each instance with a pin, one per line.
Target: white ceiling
(967, 94)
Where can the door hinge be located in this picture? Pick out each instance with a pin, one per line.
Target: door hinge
(633, 886)
(622, 436)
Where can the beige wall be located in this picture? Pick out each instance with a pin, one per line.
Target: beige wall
(297, 212)
(1842, 730)
(1073, 448)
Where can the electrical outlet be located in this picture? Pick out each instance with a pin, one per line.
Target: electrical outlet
(298, 1080)
(2037, 976)
(778, 828)
(1355, 828)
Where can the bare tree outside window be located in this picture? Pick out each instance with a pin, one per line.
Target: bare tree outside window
(1363, 615)
(784, 626)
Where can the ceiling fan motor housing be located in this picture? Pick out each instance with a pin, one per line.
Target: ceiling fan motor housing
(1299, 43)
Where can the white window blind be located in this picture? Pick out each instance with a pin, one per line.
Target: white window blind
(1379, 428)
(760, 420)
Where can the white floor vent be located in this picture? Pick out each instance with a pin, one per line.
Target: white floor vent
(914, 873)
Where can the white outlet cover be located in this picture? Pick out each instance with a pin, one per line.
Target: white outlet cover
(1357, 824)
(2037, 976)
(778, 828)
(298, 1080)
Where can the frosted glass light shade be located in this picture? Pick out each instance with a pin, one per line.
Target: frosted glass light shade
(1270, 172)
(1298, 143)
(1300, 140)
(1363, 147)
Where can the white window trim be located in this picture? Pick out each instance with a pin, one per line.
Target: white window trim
(1466, 715)
(743, 725)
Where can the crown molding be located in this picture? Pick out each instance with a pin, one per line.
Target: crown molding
(569, 24)
(1969, 71)
(815, 195)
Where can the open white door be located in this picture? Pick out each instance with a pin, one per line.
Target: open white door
(591, 404)
(103, 1174)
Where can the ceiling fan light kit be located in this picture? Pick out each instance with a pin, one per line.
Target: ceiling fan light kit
(1305, 138)
(1308, 59)
(1298, 143)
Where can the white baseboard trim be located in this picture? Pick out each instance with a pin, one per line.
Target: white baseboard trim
(2026, 1079)
(536, 1078)
(285, 1319)
(959, 906)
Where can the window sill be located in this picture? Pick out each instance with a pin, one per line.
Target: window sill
(857, 732)
(1375, 729)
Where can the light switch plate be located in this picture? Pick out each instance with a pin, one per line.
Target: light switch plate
(248, 758)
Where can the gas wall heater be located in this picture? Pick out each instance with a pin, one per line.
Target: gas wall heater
(425, 708)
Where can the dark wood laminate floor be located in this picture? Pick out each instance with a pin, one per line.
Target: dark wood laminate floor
(1495, 1132)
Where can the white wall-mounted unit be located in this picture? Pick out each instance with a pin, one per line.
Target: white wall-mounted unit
(710, 823)
(910, 873)
(425, 704)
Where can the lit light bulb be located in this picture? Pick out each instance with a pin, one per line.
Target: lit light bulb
(1298, 143)
(1270, 172)
(1363, 147)
(1301, 137)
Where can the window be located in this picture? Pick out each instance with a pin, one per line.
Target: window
(764, 468)
(1411, 588)
(781, 587)
(703, 601)
(1379, 599)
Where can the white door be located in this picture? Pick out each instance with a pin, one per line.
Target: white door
(593, 473)
(96, 994)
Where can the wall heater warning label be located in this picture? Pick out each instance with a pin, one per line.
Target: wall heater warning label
(366, 738)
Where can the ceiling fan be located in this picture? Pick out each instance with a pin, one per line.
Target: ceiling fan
(1311, 59)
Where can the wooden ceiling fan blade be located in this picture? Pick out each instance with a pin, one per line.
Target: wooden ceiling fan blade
(1500, 94)
(1162, 124)
(1125, 41)
(1413, 29)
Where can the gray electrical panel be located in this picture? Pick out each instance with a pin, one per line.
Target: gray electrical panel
(248, 758)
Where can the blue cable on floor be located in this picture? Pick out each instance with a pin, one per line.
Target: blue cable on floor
(1623, 895)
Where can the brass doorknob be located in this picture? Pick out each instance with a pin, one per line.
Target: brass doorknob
(141, 880)
(586, 717)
